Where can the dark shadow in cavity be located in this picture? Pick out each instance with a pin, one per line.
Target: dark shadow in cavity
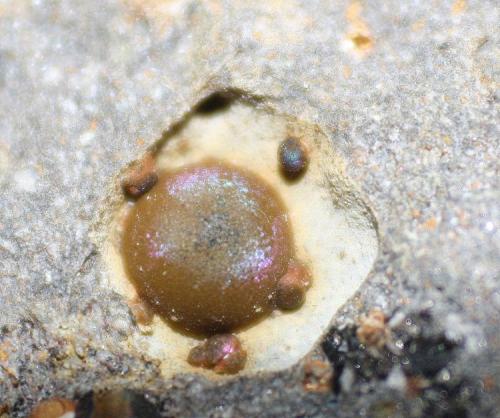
(222, 100)
(216, 102)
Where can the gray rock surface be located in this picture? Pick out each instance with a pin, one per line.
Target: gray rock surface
(408, 93)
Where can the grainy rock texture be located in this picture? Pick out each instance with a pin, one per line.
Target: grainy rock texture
(407, 92)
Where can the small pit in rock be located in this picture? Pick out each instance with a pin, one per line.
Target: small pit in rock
(231, 212)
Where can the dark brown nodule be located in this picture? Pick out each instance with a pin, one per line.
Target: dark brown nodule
(117, 403)
(292, 287)
(141, 178)
(221, 353)
(53, 408)
(206, 247)
(293, 158)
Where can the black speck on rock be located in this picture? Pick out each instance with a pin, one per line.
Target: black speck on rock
(344, 349)
(427, 356)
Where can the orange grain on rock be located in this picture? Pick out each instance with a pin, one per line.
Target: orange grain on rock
(161, 13)
(359, 32)
(317, 376)
(258, 35)
(458, 7)
(415, 214)
(447, 140)
(361, 41)
(353, 11)
(346, 71)
(418, 25)
(430, 224)
(372, 330)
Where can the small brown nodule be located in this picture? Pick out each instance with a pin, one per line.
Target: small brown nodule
(222, 353)
(53, 408)
(141, 177)
(292, 287)
(141, 311)
(293, 158)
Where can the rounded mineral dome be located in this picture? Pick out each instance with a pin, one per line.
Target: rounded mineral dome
(207, 246)
(293, 158)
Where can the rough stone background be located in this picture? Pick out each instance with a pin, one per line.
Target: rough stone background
(406, 90)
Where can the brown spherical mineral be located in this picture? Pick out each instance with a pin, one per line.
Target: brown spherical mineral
(222, 353)
(293, 158)
(292, 287)
(207, 246)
